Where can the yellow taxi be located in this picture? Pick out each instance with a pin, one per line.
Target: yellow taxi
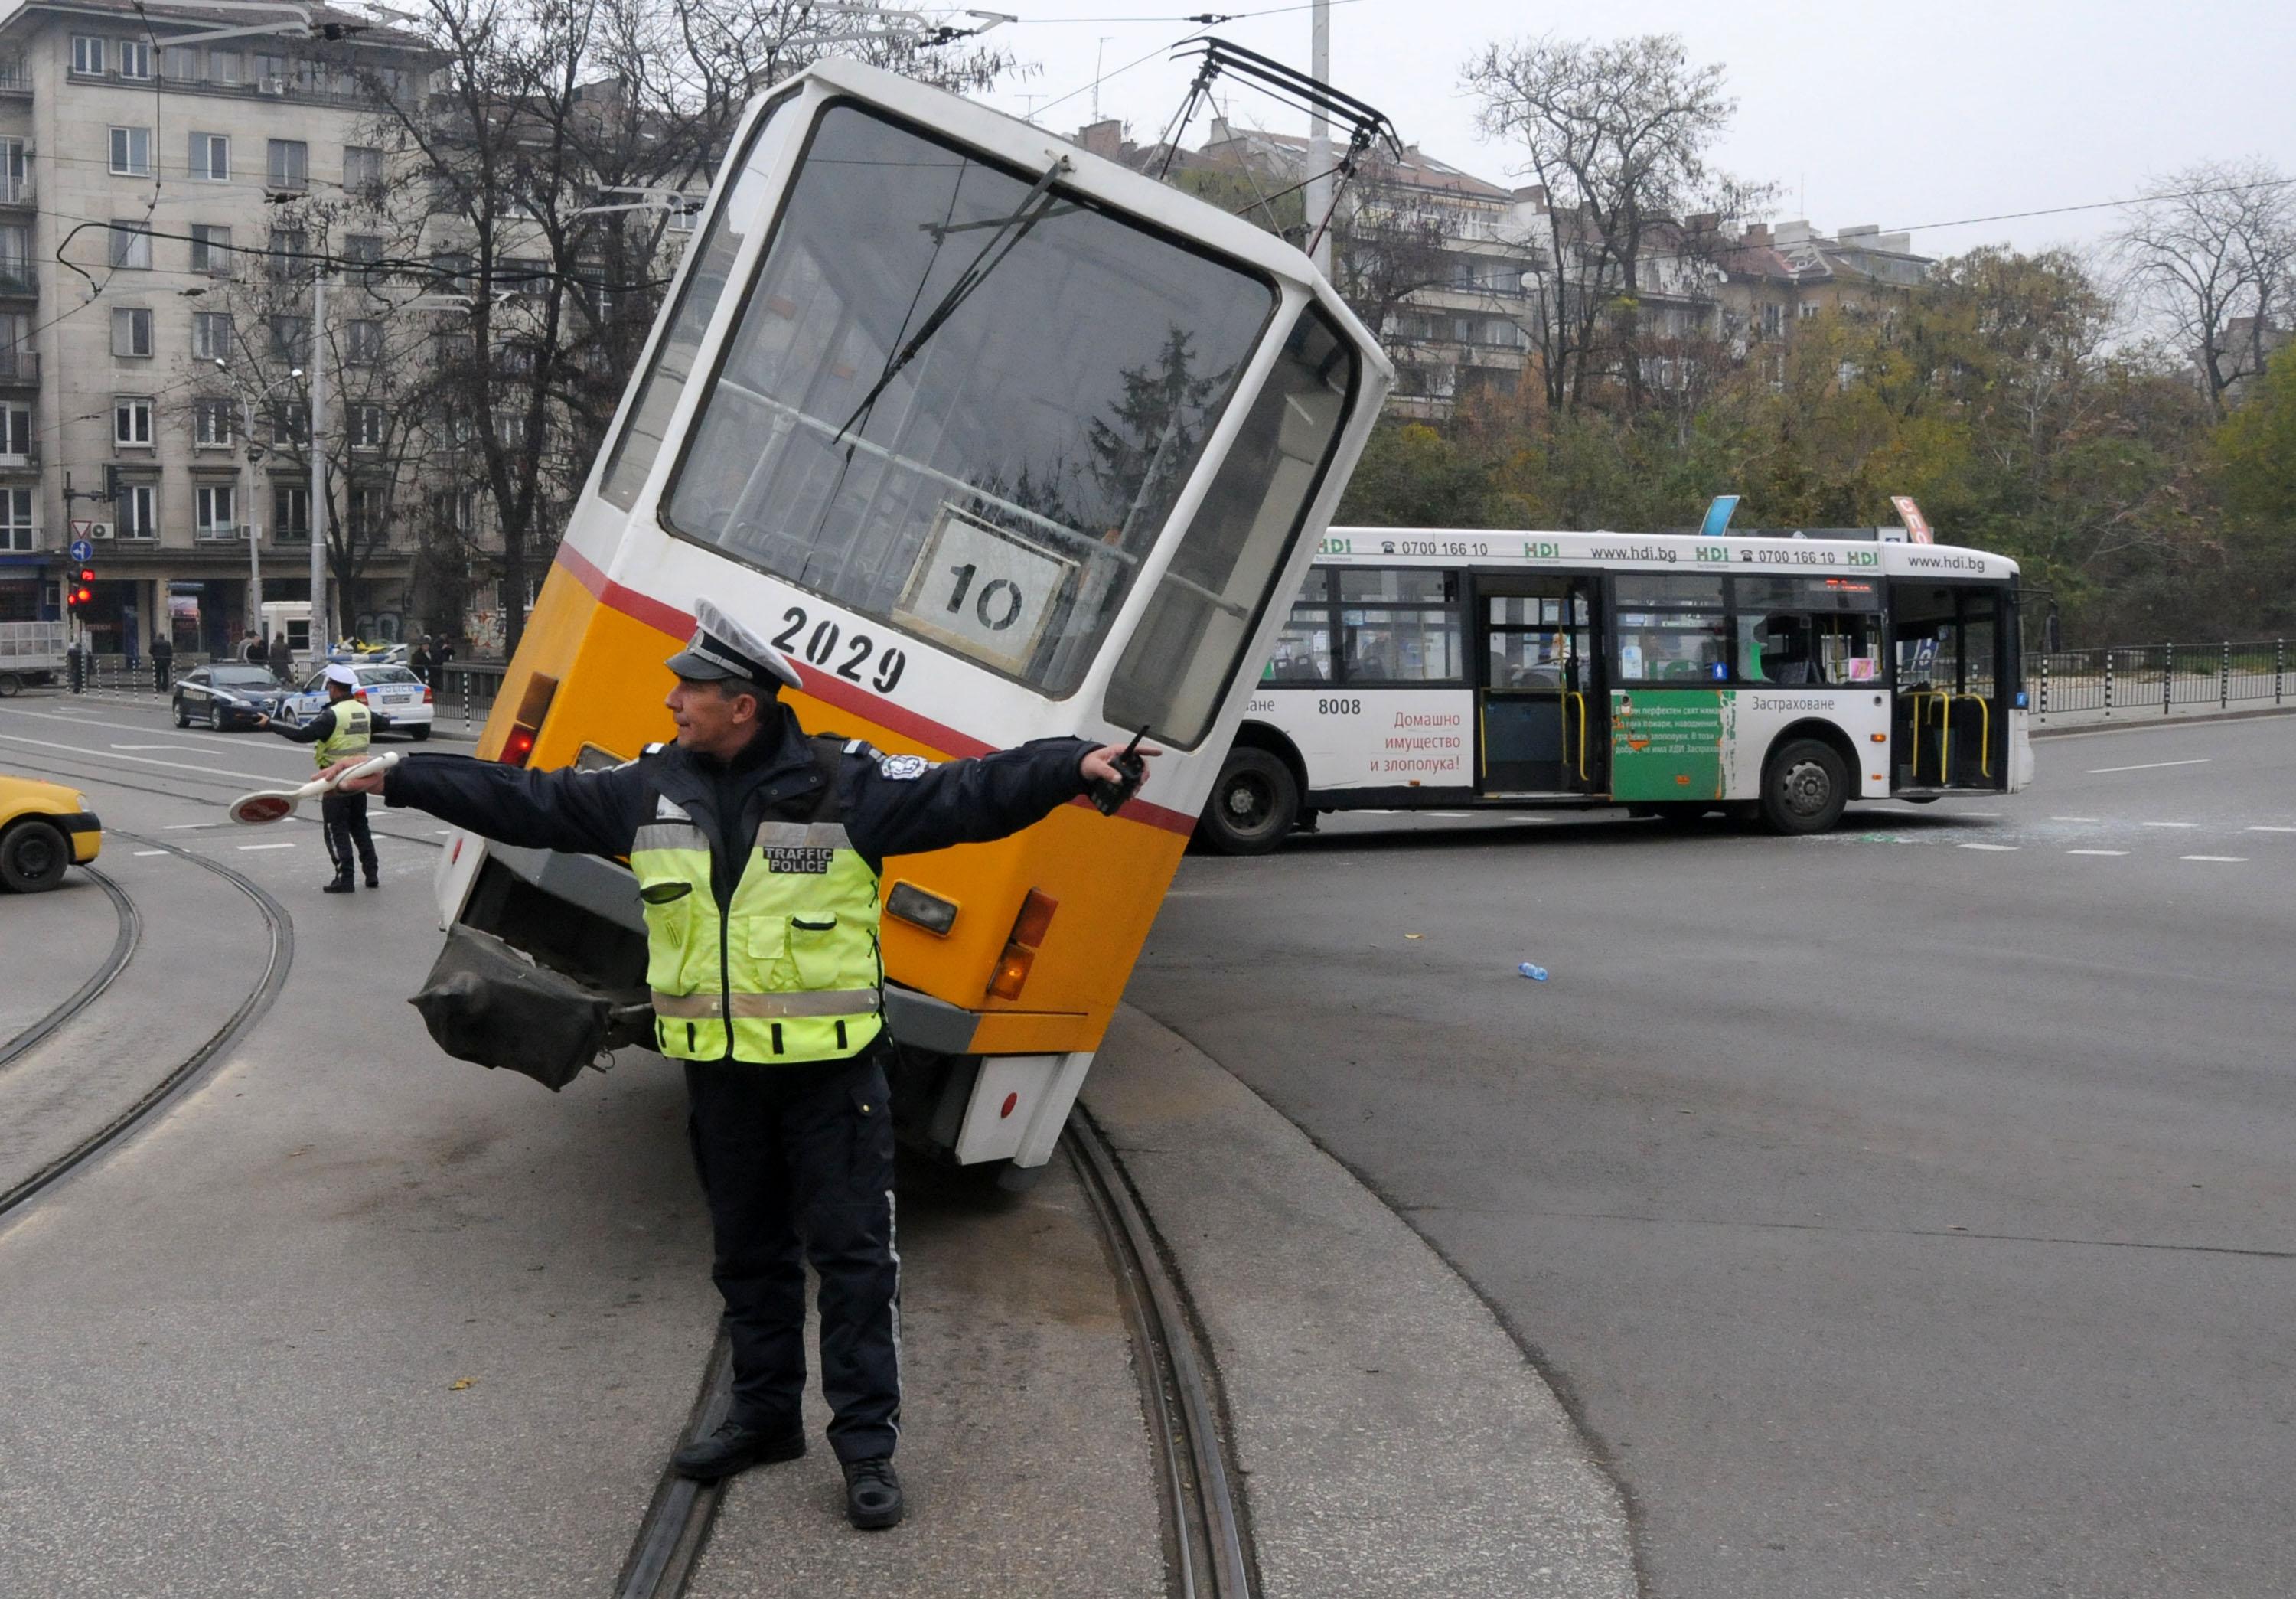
(43, 828)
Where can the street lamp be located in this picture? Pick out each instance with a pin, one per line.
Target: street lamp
(253, 454)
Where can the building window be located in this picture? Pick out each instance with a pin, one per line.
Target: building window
(685, 213)
(287, 164)
(211, 157)
(138, 513)
(363, 343)
(180, 63)
(290, 339)
(290, 424)
(16, 434)
(131, 245)
(1807, 309)
(212, 422)
(223, 66)
(87, 54)
(290, 513)
(211, 335)
(131, 153)
(16, 259)
(362, 171)
(366, 509)
(212, 511)
(271, 71)
(134, 59)
(17, 533)
(131, 333)
(210, 249)
(131, 422)
(289, 248)
(367, 427)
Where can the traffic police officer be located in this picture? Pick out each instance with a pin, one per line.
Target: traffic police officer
(341, 731)
(756, 851)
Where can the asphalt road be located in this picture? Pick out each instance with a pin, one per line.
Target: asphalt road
(1903, 1211)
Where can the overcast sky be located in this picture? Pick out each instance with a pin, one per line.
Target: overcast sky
(1903, 116)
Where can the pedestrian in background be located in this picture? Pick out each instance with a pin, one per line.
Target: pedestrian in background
(282, 659)
(76, 664)
(418, 661)
(163, 661)
(251, 648)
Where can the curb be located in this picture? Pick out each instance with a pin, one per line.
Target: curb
(1392, 1436)
(2104, 724)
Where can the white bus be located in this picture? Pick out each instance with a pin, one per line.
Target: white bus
(1779, 675)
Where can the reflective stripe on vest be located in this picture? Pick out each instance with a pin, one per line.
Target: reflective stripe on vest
(790, 974)
(354, 728)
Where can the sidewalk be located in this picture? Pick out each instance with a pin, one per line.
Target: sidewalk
(1393, 1439)
(2152, 715)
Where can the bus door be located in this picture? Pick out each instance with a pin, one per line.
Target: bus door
(1954, 649)
(1541, 728)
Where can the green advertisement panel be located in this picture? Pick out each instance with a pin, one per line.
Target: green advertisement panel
(1667, 743)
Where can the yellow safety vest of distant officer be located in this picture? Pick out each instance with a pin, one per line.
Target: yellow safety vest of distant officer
(757, 848)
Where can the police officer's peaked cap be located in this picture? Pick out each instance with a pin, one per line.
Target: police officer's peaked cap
(721, 648)
(342, 674)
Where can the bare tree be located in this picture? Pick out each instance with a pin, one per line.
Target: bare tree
(1617, 135)
(544, 124)
(2212, 261)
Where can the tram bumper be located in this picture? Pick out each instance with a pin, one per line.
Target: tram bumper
(488, 1003)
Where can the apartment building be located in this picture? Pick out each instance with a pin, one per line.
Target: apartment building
(144, 167)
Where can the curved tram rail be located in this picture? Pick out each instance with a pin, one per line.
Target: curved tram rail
(236, 1026)
(1207, 1547)
(123, 947)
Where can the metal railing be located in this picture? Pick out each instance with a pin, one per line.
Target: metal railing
(2140, 679)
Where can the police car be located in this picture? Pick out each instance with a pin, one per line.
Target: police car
(394, 691)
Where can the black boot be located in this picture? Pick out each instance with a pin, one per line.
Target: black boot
(873, 1494)
(341, 885)
(734, 1448)
(373, 878)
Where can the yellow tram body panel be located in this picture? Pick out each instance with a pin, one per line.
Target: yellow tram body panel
(1106, 876)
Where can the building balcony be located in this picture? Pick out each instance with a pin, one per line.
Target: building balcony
(18, 366)
(15, 78)
(17, 278)
(17, 192)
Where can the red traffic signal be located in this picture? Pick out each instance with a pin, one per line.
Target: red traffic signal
(80, 590)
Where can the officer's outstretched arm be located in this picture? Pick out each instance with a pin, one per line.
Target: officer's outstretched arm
(583, 813)
(905, 805)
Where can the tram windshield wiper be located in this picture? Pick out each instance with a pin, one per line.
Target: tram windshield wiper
(1033, 209)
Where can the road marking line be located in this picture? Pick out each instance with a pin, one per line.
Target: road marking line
(2170, 824)
(2149, 766)
(2076, 818)
(288, 845)
(2272, 830)
(188, 826)
(155, 746)
(144, 760)
(2096, 852)
(2227, 859)
(1987, 845)
(155, 852)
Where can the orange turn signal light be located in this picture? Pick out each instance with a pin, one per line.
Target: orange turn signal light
(1035, 920)
(1011, 972)
(1879, 738)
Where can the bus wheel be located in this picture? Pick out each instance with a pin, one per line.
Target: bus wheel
(1804, 787)
(1253, 805)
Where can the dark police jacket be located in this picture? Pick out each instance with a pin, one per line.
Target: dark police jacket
(892, 804)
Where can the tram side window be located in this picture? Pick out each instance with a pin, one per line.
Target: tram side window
(1400, 625)
(1303, 650)
(1816, 630)
(1669, 629)
(635, 451)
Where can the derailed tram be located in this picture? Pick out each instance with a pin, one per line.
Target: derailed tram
(997, 440)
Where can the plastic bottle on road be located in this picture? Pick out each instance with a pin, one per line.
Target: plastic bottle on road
(1536, 974)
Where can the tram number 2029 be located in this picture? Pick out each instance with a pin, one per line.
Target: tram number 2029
(856, 659)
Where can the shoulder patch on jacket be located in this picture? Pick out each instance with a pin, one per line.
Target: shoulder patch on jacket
(861, 746)
(902, 766)
(654, 750)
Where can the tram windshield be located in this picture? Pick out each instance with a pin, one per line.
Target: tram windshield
(998, 492)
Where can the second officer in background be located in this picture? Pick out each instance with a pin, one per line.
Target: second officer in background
(341, 731)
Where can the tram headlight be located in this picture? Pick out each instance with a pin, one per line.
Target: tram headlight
(930, 912)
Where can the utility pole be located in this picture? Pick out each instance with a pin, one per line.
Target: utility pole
(322, 631)
(1320, 190)
(1099, 56)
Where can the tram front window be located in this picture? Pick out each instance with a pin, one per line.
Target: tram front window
(998, 493)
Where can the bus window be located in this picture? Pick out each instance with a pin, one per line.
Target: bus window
(1401, 626)
(673, 360)
(1808, 629)
(996, 494)
(1303, 650)
(1188, 650)
(1669, 629)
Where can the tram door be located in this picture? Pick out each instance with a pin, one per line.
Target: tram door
(1541, 726)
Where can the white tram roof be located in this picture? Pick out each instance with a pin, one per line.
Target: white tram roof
(1032, 149)
(1780, 553)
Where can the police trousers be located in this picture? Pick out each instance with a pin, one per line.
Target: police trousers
(345, 818)
(801, 1158)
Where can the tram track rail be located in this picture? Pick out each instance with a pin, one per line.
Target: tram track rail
(1208, 1544)
(243, 1019)
(123, 949)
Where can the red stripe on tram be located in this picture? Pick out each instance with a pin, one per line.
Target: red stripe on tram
(830, 689)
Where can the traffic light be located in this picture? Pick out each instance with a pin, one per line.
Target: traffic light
(79, 590)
